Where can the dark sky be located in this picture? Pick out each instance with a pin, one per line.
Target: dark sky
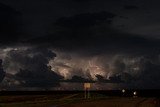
(138, 16)
(115, 39)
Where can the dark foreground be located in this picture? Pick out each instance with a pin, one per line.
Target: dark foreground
(116, 98)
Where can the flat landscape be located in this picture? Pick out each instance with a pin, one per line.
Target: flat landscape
(75, 99)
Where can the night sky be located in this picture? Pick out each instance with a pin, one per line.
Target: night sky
(60, 44)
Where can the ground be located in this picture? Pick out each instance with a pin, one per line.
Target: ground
(76, 100)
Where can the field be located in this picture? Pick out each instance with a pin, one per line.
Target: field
(74, 99)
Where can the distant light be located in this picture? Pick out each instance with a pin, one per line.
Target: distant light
(134, 93)
(123, 91)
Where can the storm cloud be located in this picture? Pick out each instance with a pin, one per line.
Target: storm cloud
(92, 34)
(2, 72)
(68, 42)
(31, 68)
